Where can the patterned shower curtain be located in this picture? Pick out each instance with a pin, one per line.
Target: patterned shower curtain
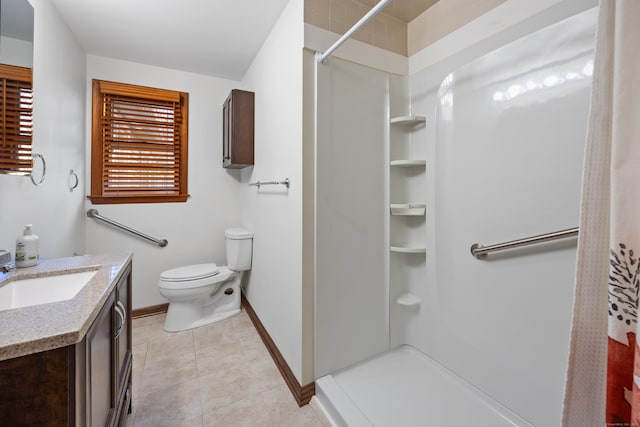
(603, 377)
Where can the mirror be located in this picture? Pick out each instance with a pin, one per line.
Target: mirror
(16, 33)
(16, 62)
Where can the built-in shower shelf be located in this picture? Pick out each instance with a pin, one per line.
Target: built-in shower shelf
(408, 163)
(408, 120)
(408, 249)
(408, 209)
(408, 300)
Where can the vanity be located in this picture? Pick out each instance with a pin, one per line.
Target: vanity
(68, 362)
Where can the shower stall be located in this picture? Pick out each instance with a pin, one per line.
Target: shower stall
(483, 147)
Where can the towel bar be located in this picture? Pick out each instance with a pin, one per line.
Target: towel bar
(286, 183)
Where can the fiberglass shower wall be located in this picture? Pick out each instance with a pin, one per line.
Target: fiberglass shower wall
(510, 130)
(351, 298)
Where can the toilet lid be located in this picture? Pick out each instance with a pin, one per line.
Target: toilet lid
(190, 272)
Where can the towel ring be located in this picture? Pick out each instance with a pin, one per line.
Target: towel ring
(44, 169)
(74, 175)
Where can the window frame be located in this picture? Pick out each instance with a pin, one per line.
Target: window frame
(18, 161)
(141, 94)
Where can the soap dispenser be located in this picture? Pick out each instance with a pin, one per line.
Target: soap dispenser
(27, 248)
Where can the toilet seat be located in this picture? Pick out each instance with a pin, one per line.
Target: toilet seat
(193, 276)
(190, 272)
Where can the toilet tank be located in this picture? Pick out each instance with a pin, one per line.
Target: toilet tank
(239, 248)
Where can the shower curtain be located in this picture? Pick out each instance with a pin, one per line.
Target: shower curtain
(603, 377)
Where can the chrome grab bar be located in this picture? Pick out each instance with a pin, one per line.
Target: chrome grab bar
(286, 183)
(93, 213)
(480, 252)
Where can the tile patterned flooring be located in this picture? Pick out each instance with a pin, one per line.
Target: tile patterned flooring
(215, 375)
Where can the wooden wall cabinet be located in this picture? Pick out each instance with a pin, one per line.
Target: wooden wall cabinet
(86, 384)
(238, 129)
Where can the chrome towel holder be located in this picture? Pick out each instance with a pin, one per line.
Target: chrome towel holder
(74, 176)
(44, 169)
(286, 183)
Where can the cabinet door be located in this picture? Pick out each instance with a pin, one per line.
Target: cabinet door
(226, 132)
(124, 336)
(238, 129)
(100, 396)
(122, 348)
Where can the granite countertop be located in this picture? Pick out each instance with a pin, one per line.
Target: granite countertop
(44, 327)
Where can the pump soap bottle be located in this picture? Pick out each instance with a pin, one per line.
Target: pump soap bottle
(27, 248)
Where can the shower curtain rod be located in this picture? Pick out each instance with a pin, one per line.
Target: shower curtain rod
(377, 8)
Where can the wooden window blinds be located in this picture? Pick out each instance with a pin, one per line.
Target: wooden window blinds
(16, 120)
(139, 144)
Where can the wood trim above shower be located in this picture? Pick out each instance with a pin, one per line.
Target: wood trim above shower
(302, 394)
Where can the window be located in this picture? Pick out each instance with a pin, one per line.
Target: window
(139, 144)
(16, 120)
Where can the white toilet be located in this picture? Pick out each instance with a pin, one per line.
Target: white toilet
(206, 293)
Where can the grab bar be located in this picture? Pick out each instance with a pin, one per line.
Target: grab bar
(480, 252)
(93, 213)
(286, 183)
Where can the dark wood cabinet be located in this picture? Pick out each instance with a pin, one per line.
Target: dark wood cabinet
(96, 365)
(108, 359)
(122, 352)
(87, 384)
(238, 129)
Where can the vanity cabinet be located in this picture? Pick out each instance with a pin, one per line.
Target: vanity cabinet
(238, 129)
(105, 360)
(86, 384)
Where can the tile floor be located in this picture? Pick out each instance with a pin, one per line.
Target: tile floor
(215, 375)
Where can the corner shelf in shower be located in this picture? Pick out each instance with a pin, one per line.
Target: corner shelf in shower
(408, 209)
(407, 120)
(408, 163)
(407, 249)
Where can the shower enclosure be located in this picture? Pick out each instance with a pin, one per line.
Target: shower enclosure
(410, 328)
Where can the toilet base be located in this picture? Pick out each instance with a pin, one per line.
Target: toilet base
(224, 303)
(214, 317)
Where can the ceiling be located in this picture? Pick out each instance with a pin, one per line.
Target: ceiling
(212, 37)
(16, 19)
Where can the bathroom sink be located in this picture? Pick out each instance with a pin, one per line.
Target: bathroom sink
(42, 290)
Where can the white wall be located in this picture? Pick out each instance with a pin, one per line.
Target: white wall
(59, 85)
(16, 52)
(274, 214)
(351, 204)
(195, 229)
(500, 175)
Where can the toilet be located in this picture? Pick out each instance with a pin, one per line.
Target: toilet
(201, 294)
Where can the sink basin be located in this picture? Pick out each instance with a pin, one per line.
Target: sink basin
(42, 290)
